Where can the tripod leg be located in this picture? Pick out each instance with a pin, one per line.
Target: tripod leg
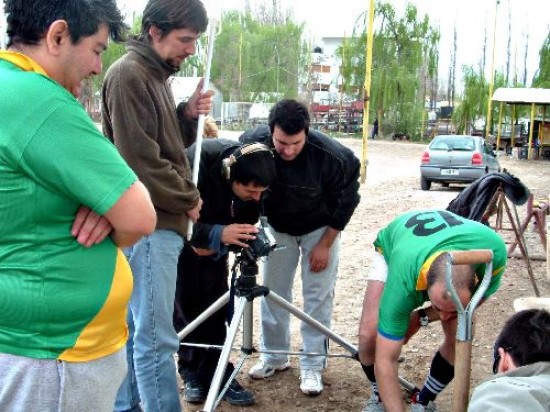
(213, 308)
(304, 317)
(215, 385)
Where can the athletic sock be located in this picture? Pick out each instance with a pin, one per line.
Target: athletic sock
(369, 372)
(441, 374)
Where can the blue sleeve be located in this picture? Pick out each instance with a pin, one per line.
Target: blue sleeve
(215, 242)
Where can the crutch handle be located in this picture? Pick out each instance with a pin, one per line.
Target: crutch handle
(470, 257)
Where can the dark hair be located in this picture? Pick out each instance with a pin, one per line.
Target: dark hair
(526, 335)
(256, 167)
(168, 15)
(463, 276)
(28, 21)
(290, 115)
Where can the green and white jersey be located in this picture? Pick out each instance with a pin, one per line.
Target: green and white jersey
(58, 299)
(409, 245)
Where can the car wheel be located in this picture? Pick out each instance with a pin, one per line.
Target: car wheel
(445, 184)
(425, 184)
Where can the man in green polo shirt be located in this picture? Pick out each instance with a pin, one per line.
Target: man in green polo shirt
(409, 270)
(68, 201)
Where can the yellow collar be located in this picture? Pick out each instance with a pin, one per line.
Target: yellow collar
(22, 61)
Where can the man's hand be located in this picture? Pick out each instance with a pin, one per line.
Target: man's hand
(194, 213)
(238, 234)
(319, 257)
(89, 228)
(199, 102)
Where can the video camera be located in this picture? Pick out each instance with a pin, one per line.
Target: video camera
(264, 242)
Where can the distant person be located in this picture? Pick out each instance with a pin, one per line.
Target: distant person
(68, 202)
(139, 117)
(374, 129)
(521, 367)
(409, 270)
(210, 128)
(232, 178)
(310, 203)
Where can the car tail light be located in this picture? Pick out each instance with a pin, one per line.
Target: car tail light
(477, 159)
(426, 157)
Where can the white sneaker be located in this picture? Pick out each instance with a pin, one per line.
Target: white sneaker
(430, 407)
(311, 382)
(263, 369)
(374, 405)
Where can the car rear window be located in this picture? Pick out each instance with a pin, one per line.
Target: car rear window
(465, 144)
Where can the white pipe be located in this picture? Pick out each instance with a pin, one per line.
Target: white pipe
(200, 126)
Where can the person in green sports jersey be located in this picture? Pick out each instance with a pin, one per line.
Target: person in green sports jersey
(409, 270)
(68, 201)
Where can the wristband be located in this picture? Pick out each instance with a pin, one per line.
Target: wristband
(424, 320)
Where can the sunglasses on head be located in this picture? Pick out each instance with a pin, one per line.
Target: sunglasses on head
(496, 357)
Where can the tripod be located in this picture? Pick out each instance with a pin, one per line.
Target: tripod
(246, 290)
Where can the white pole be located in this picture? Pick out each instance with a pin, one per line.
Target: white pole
(200, 127)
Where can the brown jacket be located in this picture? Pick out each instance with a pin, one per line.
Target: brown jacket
(139, 116)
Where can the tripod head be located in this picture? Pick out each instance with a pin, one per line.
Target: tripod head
(245, 284)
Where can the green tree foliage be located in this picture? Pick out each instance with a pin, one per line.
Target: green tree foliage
(404, 53)
(258, 57)
(474, 99)
(542, 77)
(113, 52)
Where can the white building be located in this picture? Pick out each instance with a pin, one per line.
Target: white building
(3, 28)
(325, 71)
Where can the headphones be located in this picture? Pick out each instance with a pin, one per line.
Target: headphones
(243, 151)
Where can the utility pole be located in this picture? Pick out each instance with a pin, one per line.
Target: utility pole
(492, 77)
(366, 100)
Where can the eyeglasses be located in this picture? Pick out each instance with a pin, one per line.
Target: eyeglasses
(496, 357)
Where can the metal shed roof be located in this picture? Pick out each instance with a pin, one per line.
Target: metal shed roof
(522, 95)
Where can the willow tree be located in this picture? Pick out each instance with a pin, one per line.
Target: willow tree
(404, 56)
(473, 102)
(542, 76)
(258, 58)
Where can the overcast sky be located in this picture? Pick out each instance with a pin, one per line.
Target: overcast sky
(471, 17)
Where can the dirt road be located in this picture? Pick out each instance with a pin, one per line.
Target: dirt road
(393, 187)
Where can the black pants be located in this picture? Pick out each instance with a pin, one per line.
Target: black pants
(201, 281)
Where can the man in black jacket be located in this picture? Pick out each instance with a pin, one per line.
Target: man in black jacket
(232, 178)
(310, 203)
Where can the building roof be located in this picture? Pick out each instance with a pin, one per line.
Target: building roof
(516, 95)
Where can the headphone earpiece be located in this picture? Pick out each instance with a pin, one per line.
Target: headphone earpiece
(243, 151)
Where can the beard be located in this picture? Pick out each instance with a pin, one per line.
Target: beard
(175, 62)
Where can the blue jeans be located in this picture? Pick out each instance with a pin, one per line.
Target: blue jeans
(153, 341)
(317, 291)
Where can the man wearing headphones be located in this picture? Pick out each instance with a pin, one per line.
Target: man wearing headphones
(232, 178)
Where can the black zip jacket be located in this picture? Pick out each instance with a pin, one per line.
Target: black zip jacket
(220, 205)
(318, 188)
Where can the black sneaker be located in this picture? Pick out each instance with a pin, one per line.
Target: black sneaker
(237, 395)
(194, 391)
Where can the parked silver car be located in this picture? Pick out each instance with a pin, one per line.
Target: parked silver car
(456, 159)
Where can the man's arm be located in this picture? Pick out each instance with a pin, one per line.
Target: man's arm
(387, 378)
(341, 187)
(132, 216)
